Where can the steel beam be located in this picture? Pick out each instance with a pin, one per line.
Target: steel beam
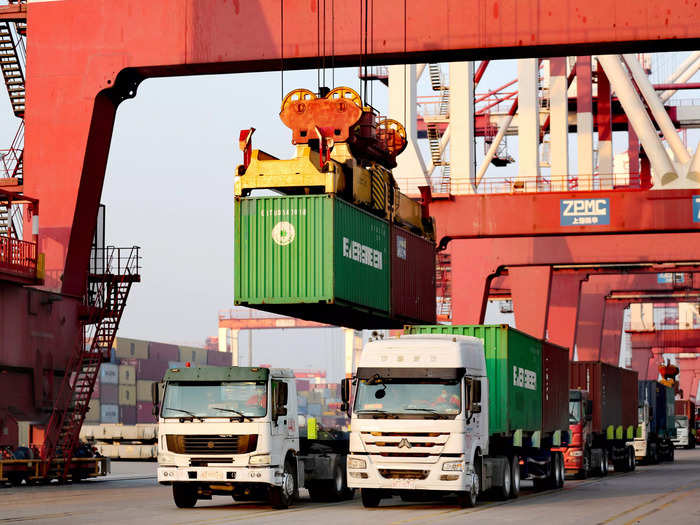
(85, 56)
(540, 214)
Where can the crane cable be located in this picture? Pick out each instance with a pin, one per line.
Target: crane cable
(282, 48)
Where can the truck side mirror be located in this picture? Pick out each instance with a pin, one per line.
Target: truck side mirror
(155, 393)
(345, 385)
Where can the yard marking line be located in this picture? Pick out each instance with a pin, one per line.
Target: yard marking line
(657, 509)
(636, 507)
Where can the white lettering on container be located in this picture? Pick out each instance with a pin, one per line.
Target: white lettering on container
(363, 254)
(524, 378)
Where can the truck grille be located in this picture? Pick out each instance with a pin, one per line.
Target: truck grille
(405, 444)
(212, 444)
(403, 473)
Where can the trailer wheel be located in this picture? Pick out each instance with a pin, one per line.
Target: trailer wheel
(370, 498)
(184, 495)
(515, 477)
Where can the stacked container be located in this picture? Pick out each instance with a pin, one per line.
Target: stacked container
(122, 392)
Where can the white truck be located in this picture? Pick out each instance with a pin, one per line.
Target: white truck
(420, 422)
(235, 431)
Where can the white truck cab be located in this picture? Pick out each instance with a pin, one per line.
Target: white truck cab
(234, 431)
(418, 422)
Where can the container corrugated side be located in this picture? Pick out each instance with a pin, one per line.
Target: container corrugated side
(283, 249)
(630, 404)
(412, 277)
(514, 370)
(314, 257)
(555, 387)
(610, 390)
(362, 259)
(131, 348)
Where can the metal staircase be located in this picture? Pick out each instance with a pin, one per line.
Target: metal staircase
(12, 63)
(104, 305)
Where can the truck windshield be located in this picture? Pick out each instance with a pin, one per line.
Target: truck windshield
(574, 412)
(415, 399)
(215, 399)
(681, 422)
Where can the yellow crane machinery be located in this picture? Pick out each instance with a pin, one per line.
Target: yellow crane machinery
(342, 147)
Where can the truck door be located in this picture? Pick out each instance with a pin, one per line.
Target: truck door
(472, 414)
(283, 419)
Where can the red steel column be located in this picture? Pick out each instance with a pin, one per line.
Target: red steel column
(633, 155)
(689, 369)
(563, 309)
(604, 123)
(530, 290)
(640, 361)
(591, 314)
(471, 281)
(584, 122)
(612, 332)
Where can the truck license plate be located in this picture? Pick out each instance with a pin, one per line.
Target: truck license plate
(403, 483)
(213, 475)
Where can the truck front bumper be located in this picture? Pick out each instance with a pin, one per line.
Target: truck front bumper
(409, 476)
(265, 475)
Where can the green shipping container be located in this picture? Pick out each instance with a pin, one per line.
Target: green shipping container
(514, 371)
(315, 257)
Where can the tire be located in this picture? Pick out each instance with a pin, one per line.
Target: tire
(632, 459)
(515, 477)
(282, 497)
(469, 498)
(370, 498)
(585, 472)
(184, 495)
(334, 489)
(562, 470)
(604, 465)
(503, 492)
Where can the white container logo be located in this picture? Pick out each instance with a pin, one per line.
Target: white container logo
(363, 254)
(524, 378)
(283, 233)
(401, 247)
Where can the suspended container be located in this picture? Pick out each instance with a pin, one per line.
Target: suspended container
(412, 277)
(314, 257)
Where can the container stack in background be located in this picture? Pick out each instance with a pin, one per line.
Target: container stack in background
(122, 394)
(319, 399)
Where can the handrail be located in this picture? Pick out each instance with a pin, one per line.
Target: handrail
(18, 256)
(548, 184)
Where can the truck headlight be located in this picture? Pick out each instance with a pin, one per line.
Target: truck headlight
(356, 463)
(260, 459)
(453, 466)
(576, 453)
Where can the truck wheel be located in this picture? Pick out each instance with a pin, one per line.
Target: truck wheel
(604, 465)
(503, 492)
(671, 453)
(184, 495)
(585, 471)
(370, 498)
(282, 497)
(631, 459)
(515, 477)
(562, 470)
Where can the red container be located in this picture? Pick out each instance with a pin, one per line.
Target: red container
(302, 385)
(163, 352)
(144, 413)
(555, 387)
(412, 277)
(109, 394)
(216, 358)
(612, 390)
(127, 415)
(309, 374)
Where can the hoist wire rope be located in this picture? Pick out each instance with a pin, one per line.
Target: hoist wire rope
(282, 48)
